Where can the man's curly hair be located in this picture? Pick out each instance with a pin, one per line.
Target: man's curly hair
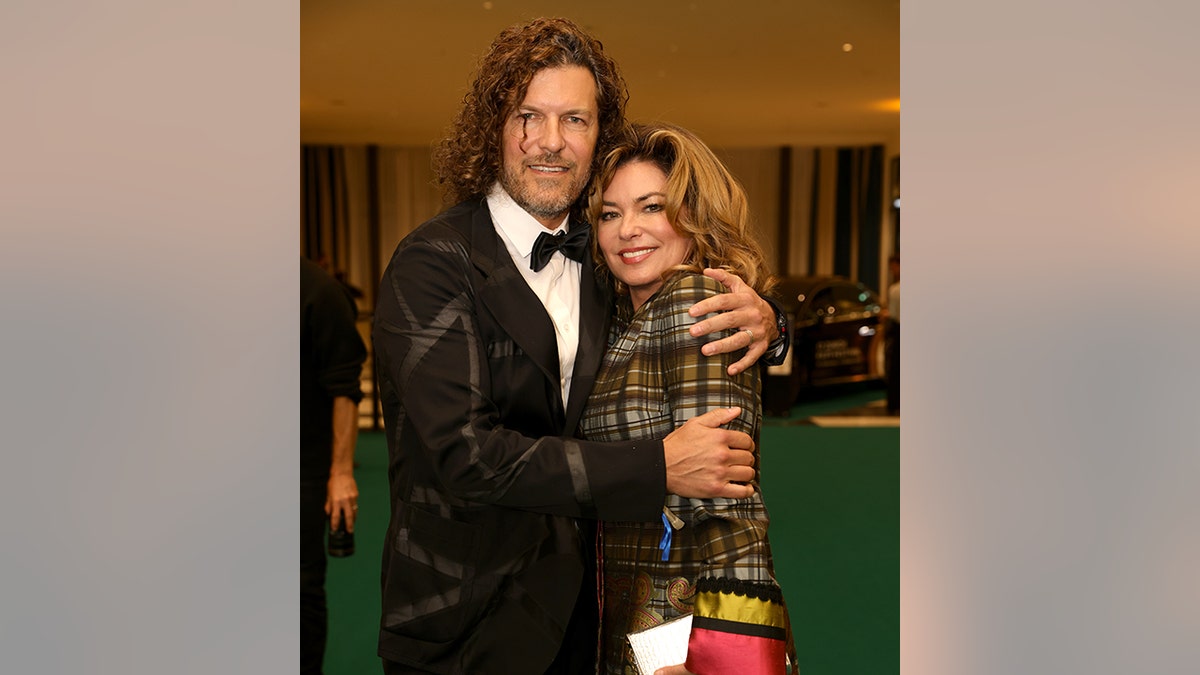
(467, 162)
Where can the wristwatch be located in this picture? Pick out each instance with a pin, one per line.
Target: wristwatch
(777, 350)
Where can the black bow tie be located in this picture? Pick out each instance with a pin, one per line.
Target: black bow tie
(573, 244)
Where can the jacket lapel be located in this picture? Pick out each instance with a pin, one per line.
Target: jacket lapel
(509, 299)
(595, 311)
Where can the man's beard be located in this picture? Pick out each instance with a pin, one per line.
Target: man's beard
(543, 203)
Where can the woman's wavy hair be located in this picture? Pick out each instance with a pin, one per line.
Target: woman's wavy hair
(467, 161)
(704, 201)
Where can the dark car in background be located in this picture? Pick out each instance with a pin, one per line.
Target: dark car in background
(837, 338)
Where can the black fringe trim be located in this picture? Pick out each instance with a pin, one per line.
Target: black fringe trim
(739, 628)
(746, 589)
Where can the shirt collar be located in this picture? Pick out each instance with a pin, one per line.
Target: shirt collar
(514, 222)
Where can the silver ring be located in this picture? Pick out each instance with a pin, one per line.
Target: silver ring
(751, 334)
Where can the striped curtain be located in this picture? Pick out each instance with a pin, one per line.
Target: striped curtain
(816, 209)
(837, 213)
(325, 206)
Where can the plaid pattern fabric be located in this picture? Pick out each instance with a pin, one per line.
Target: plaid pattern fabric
(653, 379)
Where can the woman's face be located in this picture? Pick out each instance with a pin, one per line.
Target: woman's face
(638, 243)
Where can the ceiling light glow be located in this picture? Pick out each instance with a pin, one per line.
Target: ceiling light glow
(888, 105)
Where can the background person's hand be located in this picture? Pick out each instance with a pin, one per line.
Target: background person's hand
(740, 308)
(705, 461)
(341, 501)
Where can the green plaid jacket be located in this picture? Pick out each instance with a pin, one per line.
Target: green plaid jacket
(653, 379)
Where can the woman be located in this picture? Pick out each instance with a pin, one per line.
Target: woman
(664, 208)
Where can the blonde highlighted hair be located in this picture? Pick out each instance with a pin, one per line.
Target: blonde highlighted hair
(703, 202)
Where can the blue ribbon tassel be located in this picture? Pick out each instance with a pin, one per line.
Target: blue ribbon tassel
(665, 544)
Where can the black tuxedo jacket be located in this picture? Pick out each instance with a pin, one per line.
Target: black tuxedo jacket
(484, 558)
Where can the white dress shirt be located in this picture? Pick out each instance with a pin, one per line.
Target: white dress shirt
(556, 285)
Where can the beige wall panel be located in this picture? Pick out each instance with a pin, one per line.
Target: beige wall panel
(390, 229)
(800, 217)
(358, 245)
(425, 197)
(758, 171)
(408, 196)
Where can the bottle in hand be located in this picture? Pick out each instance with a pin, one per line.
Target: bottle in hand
(341, 542)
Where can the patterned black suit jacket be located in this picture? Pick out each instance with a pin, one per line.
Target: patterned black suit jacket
(484, 559)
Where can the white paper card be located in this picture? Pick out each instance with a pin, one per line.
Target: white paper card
(663, 645)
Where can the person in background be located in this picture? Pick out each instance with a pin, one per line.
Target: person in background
(489, 328)
(331, 359)
(891, 347)
(664, 209)
(327, 264)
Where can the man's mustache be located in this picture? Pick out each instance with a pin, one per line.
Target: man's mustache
(553, 159)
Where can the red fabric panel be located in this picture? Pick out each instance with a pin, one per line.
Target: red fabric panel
(713, 652)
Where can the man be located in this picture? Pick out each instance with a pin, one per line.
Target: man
(331, 358)
(488, 341)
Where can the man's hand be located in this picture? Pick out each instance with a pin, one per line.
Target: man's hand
(341, 500)
(740, 308)
(673, 670)
(705, 461)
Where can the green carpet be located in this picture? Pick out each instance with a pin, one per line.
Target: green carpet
(834, 499)
(352, 584)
